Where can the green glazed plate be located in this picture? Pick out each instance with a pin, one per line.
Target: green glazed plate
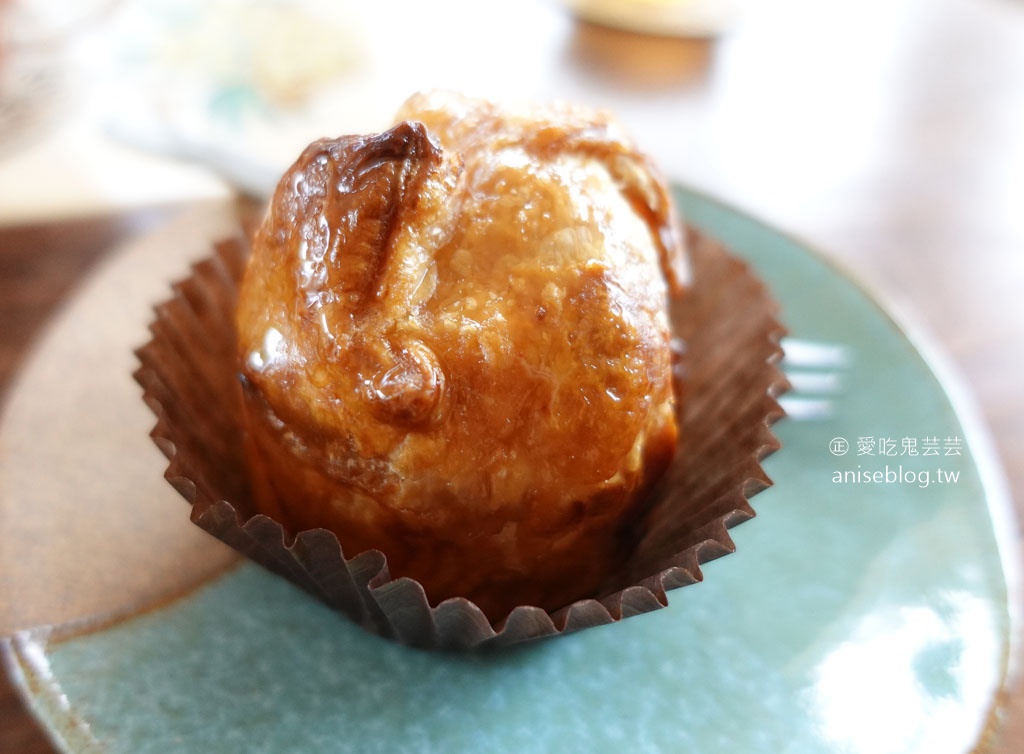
(865, 609)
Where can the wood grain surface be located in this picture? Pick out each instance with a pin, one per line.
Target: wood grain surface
(39, 266)
(898, 150)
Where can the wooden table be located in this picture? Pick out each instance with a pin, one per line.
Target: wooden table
(39, 266)
(897, 149)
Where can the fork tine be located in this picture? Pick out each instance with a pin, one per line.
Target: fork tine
(806, 409)
(815, 383)
(814, 370)
(810, 353)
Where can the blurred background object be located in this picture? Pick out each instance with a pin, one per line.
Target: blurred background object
(668, 18)
(36, 80)
(639, 61)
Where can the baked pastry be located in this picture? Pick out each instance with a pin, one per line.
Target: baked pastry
(454, 347)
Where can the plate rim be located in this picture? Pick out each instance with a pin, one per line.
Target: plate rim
(998, 501)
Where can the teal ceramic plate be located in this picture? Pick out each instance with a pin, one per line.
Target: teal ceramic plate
(865, 609)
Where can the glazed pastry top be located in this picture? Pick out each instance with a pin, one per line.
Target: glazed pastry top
(463, 320)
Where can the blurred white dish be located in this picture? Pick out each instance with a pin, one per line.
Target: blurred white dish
(674, 18)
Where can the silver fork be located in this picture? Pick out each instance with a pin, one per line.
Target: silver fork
(815, 372)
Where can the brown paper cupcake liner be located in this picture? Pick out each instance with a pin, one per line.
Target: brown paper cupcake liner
(730, 383)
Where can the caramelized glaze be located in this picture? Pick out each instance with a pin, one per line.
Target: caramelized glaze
(455, 347)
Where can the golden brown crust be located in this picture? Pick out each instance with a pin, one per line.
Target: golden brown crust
(455, 347)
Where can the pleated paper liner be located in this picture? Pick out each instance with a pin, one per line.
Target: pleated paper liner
(730, 384)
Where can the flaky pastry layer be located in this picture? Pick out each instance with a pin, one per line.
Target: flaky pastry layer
(455, 348)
